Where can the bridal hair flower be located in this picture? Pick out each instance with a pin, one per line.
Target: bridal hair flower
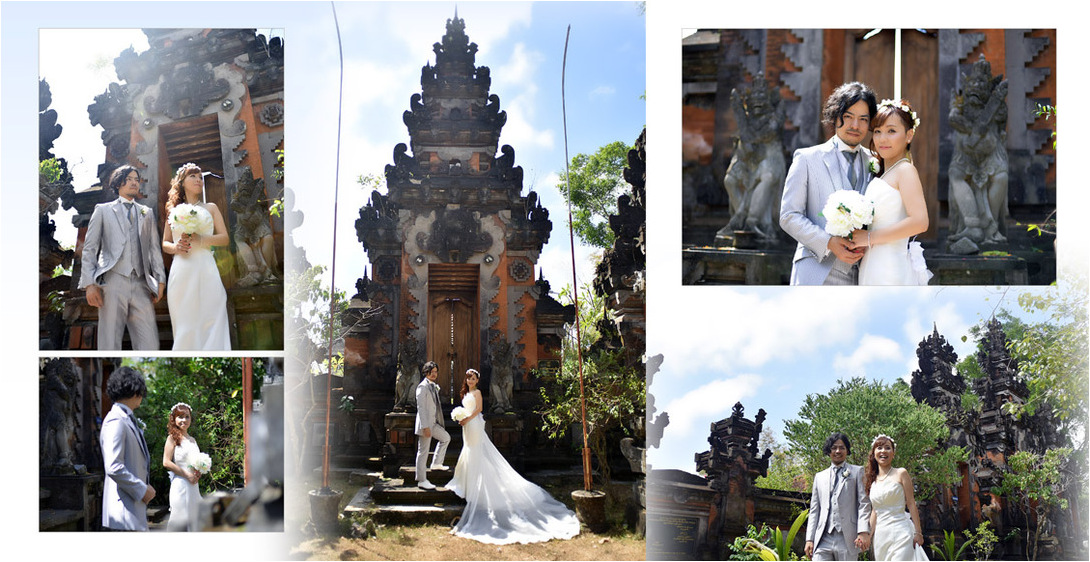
(883, 436)
(174, 407)
(903, 107)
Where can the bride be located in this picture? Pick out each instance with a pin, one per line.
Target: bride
(501, 506)
(179, 452)
(896, 534)
(899, 207)
(195, 295)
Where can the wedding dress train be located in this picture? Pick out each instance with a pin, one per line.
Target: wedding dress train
(501, 506)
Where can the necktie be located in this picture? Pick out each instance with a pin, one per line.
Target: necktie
(853, 172)
(128, 210)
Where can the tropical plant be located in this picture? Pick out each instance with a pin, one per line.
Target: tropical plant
(949, 549)
(1035, 483)
(982, 542)
(768, 543)
(212, 386)
(614, 391)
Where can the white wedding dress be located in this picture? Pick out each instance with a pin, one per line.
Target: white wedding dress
(185, 497)
(893, 263)
(196, 298)
(893, 528)
(501, 506)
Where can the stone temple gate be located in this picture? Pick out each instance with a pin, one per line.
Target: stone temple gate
(452, 246)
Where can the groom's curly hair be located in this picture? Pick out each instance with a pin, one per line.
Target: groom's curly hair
(125, 382)
(845, 96)
(117, 177)
(836, 436)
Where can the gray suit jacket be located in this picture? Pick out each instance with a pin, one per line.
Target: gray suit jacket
(107, 234)
(815, 173)
(428, 410)
(127, 462)
(851, 499)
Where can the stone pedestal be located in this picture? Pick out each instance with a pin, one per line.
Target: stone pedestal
(400, 447)
(952, 269)
(734, 266)
(71, 503)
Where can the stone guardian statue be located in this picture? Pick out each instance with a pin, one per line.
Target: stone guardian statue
(978, 170)
(755, 177)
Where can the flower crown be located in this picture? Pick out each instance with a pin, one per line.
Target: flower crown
(190, 408)
(184, 166)
(903, 107)
(883, 436)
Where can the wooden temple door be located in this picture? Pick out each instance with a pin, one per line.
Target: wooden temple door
(871, 60)
(453, 326)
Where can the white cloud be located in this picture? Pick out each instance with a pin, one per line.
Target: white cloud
(872, 349)
(707, 403)
(602, 92)
(701, 326)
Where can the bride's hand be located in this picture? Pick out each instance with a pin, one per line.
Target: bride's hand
(860, 239)
(192, 476)
(463, 421)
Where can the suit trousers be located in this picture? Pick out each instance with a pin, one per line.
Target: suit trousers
(839, 277)
(831, 546)
(423, 445)
(127, 303)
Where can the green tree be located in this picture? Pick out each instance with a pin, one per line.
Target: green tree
(614, 391)
(862, 409)
(212, 386)
(1053, 355)
(1035, 483)
(786, 470)
(597, 180)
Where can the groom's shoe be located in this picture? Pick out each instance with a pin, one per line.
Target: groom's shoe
(424, 484)
(440, 467)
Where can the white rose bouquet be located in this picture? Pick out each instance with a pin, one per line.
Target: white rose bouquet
(190, 220)
(847, 211)
(458, 414)
(201, 462)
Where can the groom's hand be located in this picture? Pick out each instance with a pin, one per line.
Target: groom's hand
(427, 432)
(863, 541)
(94, 295)
(842, 249)
(159, 297)
(809, 549)
(148, 495)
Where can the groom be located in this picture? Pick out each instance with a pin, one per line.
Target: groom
(125, 456)
(429, 424)
(838, 526)
(815, 173)
(122, 266)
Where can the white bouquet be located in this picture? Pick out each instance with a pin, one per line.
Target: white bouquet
(201, 462)
(191, 220)
(458, 414)
(847, 211)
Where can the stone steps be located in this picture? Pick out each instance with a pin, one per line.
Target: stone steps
(397, 492)
(437, 477)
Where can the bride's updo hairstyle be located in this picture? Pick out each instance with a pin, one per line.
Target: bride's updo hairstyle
(465, 382)
(176, 195)
(172, 426)
(886, 110)
(872, 463)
